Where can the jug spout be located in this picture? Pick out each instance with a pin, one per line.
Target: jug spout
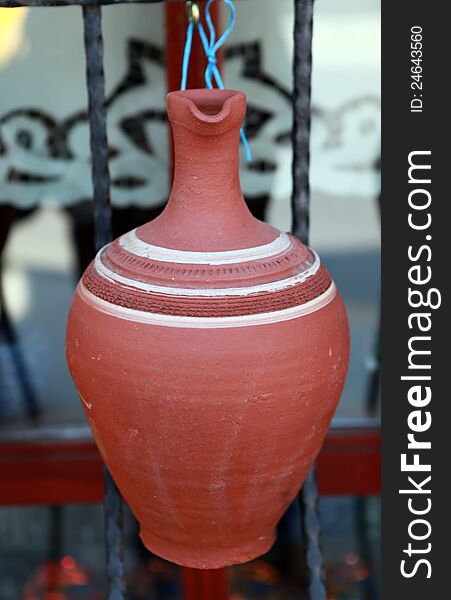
(207, 112)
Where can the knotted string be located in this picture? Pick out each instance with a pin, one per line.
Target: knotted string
(211, 47)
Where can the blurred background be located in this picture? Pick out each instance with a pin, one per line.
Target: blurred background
(46, 240)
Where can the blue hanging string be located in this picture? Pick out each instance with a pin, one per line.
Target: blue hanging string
(211, 46)
(186, 55)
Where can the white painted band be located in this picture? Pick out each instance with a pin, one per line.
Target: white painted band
(272, 286)
(139, 316)
(131, 243)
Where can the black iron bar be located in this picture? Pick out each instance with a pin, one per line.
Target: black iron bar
(114, 513)
(95, 79)
(300, 203)
(311, 531)
(47, 3)
(302, 71)
(97, 124)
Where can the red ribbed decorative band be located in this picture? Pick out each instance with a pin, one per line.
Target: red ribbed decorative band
(297, 258)
(218, 306)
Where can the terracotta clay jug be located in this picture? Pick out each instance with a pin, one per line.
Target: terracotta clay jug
(210, 351)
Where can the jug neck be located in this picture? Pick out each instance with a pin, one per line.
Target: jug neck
(206, 210)
(206, 128)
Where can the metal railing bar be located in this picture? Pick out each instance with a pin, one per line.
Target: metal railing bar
(302, 71)
(97, 124)
(311, 531)
(114, 539)
(300, 203)
(95, 79)
(62, 3)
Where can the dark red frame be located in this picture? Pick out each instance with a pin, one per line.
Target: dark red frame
(68, 471)
(64, 467)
